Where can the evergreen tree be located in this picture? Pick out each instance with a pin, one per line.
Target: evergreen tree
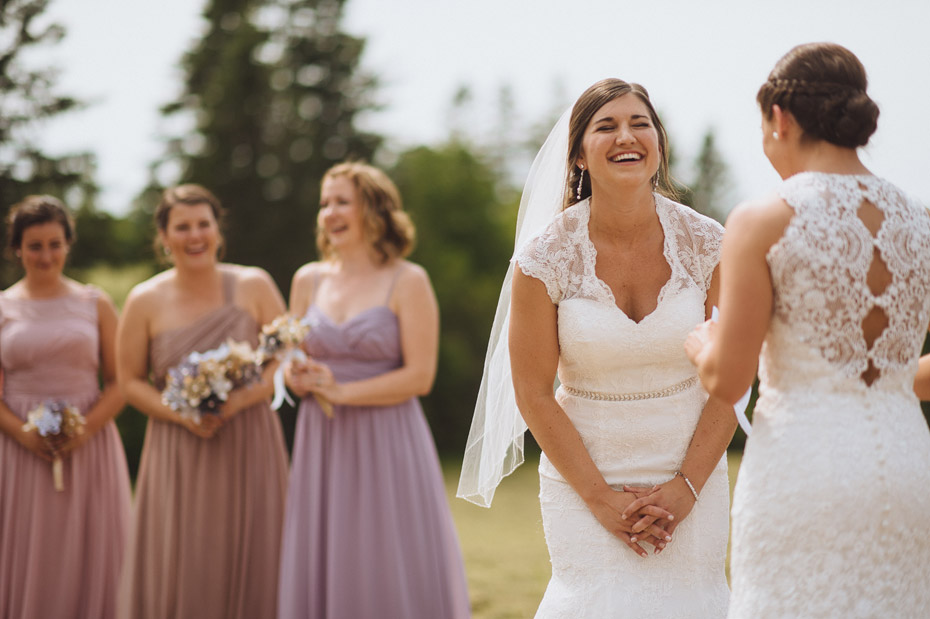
(27, 98)
(273, 91)
(710, 184)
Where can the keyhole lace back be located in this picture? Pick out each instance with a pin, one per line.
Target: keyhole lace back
(831, 513)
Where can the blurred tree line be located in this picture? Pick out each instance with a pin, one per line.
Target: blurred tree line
(273, 96)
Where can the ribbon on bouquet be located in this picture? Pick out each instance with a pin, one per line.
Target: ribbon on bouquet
(740, 407)
(280, 389)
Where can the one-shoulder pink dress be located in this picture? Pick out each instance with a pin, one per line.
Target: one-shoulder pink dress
(207, 521)
(60, 552)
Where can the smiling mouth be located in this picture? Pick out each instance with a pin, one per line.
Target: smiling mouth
(624, 157)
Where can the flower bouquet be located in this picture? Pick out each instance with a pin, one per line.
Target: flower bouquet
(202, 381)
(281, 339)
(54, 418)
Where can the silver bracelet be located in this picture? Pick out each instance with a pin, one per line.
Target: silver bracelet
(688, 481)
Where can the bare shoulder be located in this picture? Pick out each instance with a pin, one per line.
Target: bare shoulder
(412, 287)
(250, 278)
(412, 276)
(761, 220)
(149, 294)
(306, 274)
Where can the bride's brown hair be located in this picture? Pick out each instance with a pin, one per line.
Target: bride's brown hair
(590, 101)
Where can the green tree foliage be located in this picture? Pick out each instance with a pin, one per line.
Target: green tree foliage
(27, 98)
(465, 225)
(708, 188)
(273, 91)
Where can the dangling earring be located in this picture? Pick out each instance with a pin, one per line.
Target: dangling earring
(775, 134)
(580, 181)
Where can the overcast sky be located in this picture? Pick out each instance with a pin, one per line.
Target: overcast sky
(701, 61)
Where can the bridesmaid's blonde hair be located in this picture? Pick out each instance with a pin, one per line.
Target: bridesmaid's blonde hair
(387, 227)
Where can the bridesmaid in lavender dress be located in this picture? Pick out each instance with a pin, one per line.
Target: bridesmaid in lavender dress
(368, 532)
(209, 496)
(60, 551)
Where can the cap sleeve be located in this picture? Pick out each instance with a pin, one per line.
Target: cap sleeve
(699, 239)
(538, 259)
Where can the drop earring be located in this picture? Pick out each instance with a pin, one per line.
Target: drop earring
(580, 181)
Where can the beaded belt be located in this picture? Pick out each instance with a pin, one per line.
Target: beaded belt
(630, 397)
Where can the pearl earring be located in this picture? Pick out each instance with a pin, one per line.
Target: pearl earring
(580, 181)
(775, 134)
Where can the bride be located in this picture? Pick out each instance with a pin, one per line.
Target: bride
(608, 282)
(831, 513)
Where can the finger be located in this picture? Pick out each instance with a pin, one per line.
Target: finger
(638, 505)
(643, 523)
(631, 542)
(641, 490)
(658, 512)
(659, 533)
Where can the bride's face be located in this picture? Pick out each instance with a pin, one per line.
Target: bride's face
(621, 144)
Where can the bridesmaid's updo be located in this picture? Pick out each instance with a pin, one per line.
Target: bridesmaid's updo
(36, 210)
(587, 105)
(387, 227)
(187, 195)
(823, 85)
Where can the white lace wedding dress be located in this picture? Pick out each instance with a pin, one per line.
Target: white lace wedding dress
(639, 436)
(831, 513)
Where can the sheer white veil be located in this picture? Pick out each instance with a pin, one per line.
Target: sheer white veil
(495, 441)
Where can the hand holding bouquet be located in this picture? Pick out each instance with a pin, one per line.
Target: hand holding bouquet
(201, 383)
(281, 339)
(55, 420)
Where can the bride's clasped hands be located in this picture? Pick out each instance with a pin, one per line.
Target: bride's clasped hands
(632, 518)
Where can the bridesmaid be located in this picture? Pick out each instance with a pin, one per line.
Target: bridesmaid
(368, 532)
(209, 496)
(60, 551)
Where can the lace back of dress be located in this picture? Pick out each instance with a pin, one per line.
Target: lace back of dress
(878, 279)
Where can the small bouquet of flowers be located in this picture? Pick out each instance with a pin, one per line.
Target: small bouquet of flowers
(55, 418)
(202, 381)
(281, 339)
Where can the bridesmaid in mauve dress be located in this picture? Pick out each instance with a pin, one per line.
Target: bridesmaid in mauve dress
(60, 551)
(368, 531)
(209, 496)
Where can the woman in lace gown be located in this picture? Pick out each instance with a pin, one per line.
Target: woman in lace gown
(830, 278)
(209, 495)
(368, 531)
(60, 551)
(603, 297)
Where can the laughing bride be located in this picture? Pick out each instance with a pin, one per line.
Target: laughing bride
(610, 277)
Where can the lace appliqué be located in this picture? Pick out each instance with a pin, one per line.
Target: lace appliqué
(820, 268)
(564, 258)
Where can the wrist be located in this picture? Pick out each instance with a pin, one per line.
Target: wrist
(595, 493)
(688, 483)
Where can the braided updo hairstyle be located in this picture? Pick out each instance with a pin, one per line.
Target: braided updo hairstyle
(823, 85)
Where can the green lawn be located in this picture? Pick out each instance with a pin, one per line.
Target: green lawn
(505, 551)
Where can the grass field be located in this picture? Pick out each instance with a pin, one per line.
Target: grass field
(505, 551)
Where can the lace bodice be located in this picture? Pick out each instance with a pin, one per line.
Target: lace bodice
(563, 256)
(833, 441)
(819, 272)
(635, 441)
